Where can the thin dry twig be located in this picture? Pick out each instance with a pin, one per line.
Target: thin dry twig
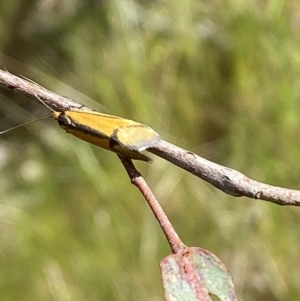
(228, 180)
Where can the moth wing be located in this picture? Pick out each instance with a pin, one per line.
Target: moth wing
(137, 137)
(128, 133)
(98, 122)
(125, 136)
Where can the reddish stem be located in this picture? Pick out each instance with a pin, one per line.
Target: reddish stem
(175, 242)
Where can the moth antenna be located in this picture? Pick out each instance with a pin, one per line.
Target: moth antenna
(42, 102)
(23, 124)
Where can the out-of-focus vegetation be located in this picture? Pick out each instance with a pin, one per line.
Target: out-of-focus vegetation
(220, 78)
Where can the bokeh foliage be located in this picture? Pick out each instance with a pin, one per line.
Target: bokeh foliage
(220, 78)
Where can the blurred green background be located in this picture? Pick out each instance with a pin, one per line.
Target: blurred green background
(220, 78)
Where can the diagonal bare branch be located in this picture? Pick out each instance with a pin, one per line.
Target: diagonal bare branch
(228, 180)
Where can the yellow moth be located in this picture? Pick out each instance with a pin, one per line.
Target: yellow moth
(122, 136)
